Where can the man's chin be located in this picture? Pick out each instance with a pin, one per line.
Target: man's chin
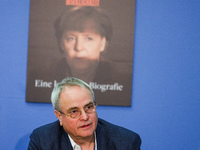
(87, 135)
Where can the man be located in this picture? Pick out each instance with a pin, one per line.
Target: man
(78, 126)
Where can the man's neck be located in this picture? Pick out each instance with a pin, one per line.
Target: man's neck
(86, 143)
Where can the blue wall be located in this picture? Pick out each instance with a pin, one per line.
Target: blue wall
(166, 78)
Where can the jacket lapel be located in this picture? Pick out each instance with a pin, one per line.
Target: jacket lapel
(103, 142)
(65, 142)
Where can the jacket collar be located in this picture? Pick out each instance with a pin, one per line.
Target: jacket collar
(103, 142)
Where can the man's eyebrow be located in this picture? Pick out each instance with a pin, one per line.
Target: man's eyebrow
(88, 104)
(79, 108)
(72, 108)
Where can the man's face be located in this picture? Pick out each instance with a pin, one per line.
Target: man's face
(77, 98)
(82, 49)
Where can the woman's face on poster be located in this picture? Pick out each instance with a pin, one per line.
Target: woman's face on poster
(82, 49)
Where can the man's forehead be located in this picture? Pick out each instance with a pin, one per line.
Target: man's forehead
(69, 96)
(78, 107)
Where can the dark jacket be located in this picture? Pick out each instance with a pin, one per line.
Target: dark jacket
(109, 137)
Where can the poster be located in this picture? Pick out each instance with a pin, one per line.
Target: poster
(89, 39)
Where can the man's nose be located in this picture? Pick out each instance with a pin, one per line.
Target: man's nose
(84, 115)
(79, 45)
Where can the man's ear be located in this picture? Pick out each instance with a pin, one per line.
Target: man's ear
(58, 115)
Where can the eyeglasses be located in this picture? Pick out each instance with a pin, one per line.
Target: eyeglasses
(75, 112)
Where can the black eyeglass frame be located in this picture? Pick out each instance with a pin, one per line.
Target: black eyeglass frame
(94, 104)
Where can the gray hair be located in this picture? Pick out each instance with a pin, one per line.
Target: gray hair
(67, 82)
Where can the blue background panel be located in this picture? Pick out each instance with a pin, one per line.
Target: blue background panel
(165, 107)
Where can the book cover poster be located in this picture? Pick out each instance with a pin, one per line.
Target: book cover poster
(89, 39)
